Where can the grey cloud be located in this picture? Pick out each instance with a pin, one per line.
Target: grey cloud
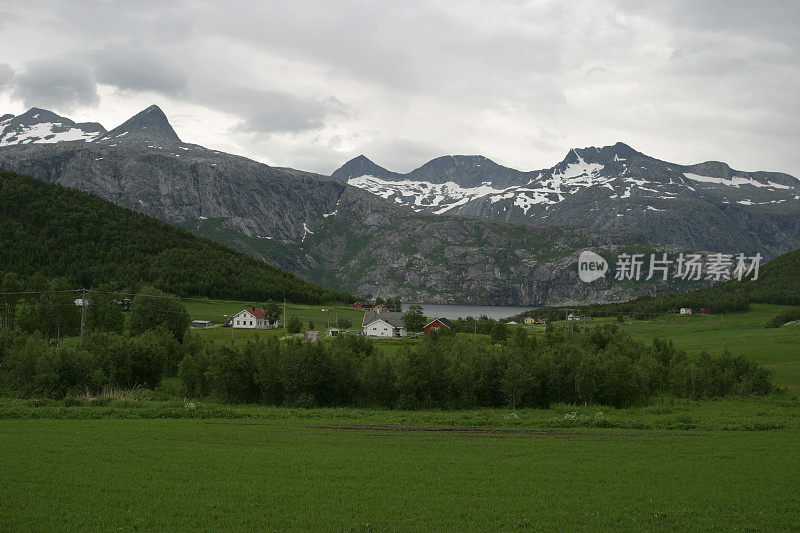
(267, 111)
(131, 67)
(55, 82)
(6, 74)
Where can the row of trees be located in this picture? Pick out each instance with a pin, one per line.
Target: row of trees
(51, 311)
(29, 366)
(392, 304)
(601, 366)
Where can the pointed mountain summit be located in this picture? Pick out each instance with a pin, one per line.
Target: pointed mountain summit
(149, 128)
(38, 125)
(362, 166)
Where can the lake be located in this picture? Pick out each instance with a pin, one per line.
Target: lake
(463, 311)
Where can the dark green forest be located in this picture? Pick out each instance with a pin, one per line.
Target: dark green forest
(48, 231)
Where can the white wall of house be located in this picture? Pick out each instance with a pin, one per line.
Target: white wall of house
(379, 328)
(246, 320)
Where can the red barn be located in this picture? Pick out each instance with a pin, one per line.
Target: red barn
(705, 311)
(361, 305)
(439, 323)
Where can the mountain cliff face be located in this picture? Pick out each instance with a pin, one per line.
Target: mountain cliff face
(342, 236)
(707, 206)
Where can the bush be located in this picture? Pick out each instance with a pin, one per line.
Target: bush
(294, 325)
(784, 317)
(152, 309)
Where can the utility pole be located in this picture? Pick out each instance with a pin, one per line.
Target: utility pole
(566, 317)
(284, 313)
(83, 312)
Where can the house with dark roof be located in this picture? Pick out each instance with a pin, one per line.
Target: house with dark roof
(383, 324)
(439, 324)
(250, 319)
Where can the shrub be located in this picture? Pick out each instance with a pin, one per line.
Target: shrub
(152, 309)
(294, 325)
(784, 317)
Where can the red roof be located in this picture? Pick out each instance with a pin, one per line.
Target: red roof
(258, 313)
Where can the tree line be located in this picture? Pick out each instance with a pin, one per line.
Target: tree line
(603, 365)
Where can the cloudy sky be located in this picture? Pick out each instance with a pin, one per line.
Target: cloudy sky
(311, 84)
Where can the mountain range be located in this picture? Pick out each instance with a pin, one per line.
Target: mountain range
(460, 229)
(706, 206)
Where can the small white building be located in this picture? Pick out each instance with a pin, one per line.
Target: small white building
(686, 310)
(383, 324)
(250, 319)
(202, 323)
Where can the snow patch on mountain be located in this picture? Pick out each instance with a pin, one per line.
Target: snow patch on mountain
(735, 181)
(421, 194)
(44, 132)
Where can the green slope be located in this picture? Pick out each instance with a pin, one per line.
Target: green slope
(778, 282)
(51, 231)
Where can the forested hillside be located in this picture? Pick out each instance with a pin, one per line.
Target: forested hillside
(778, 282)
(51, 231)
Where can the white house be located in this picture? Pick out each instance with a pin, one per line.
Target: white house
(250, 319)
(686, 310)
(386, 324)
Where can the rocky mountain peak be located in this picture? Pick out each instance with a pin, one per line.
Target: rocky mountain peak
(149, 128)
(362, 166)
(38, 125)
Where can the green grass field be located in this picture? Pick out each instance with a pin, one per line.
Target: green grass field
(350, 470)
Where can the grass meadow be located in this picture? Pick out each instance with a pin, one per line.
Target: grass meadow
(369, 470)
(217, 311)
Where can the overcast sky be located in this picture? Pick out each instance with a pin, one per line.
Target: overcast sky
(311, 84)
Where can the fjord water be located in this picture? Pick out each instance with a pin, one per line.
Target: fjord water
(453, 311)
